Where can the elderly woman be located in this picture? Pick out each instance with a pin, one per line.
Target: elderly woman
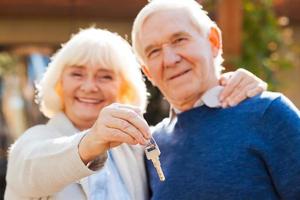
(94, 94)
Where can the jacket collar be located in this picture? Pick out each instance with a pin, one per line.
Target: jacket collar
(62, 123)
(64, 126)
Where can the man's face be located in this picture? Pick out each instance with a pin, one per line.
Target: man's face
(178, 58)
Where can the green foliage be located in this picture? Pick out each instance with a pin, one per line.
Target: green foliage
(8, 63)
(263, 41)
(264, 48)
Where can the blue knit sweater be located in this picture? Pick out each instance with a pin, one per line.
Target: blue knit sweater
(251, 151)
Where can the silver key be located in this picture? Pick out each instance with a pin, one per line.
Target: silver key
(152, 153)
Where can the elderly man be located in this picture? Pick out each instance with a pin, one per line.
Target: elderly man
(250, 151)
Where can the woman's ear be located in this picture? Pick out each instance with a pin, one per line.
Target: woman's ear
(147, 73)
(215, 41)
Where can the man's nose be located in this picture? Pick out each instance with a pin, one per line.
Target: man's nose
(170, 57)
(89, 85)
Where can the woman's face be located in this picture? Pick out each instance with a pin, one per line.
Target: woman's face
(85, 91)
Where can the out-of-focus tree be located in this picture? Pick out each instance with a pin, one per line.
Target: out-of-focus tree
(7, 63)
(266, 40)
(7, 66)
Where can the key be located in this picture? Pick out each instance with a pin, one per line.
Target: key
(152, 153)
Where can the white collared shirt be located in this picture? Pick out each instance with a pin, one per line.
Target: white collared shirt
(210, 98)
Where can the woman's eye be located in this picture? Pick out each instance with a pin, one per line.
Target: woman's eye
(106, 77)
(76, 74)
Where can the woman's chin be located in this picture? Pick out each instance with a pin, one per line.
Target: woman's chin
(87, 117)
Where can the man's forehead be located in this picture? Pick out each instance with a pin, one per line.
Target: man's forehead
(164, 23)
(167, 14)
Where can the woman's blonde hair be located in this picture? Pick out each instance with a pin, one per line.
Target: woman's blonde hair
(93, 47)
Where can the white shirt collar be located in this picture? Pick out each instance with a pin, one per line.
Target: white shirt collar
(210, 98)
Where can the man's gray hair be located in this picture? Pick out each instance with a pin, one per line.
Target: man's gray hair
(198, 16)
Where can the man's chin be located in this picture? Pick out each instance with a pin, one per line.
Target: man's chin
(179, 96)
(181, 101)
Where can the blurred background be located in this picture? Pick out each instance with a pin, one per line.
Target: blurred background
(262, 36)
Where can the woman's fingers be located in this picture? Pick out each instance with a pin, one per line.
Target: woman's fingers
(118, 136)
(238, 96)
(231, 85)
(224, 78)
(241, 84)
(132, 118)
(259, 88)
(246, 91)
(240, 92)
(114, 144)
(126, 128)
(116, 124)
(134, 108)
(126, 120)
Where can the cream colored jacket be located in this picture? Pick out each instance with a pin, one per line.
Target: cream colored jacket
(44, 164)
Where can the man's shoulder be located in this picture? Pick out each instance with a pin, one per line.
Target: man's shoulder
(281, 105)
(265, 97)
(261, 102)
(267, 101)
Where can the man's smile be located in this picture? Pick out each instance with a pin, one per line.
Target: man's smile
(179, 74)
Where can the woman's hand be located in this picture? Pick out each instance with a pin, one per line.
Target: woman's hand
(116, 124)
(238, 86)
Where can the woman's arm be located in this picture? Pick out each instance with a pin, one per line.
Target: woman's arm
(41, 162)
(238, 86)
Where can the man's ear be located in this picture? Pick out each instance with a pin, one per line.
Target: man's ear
(147, 73)
(215, 41)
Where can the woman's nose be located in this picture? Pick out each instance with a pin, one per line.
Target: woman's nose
(89, 86)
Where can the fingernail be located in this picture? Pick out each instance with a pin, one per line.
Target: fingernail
(221, 98)
(232, 103)
(226, 105)
(143, 142)
(223, 105)
(146, 142)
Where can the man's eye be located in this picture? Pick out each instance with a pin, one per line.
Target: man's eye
(179, 40)
(153, 53)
